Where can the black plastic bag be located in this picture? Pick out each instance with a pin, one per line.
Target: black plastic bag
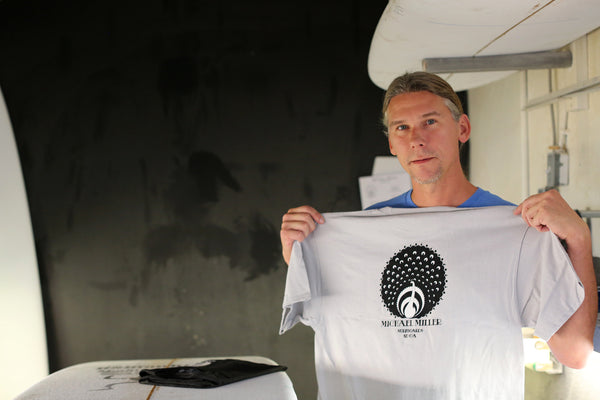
(215, 374)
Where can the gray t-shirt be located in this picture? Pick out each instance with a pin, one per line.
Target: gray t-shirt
(427, 303)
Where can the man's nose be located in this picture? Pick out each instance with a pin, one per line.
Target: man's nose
(417, 139)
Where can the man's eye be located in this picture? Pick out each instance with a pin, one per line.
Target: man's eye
(401, 127)
(430, 121)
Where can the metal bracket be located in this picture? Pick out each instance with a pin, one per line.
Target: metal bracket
(504, 62)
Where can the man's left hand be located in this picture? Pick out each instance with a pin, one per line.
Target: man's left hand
(549, 211)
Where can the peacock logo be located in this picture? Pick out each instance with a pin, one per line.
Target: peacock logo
(413, 282)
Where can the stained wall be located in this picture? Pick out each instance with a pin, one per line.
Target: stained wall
(161, 141)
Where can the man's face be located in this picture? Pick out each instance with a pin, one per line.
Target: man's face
(424, 137)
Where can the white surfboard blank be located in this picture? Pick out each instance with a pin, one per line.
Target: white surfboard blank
(116, 380)
(22, 330)
(410, 31)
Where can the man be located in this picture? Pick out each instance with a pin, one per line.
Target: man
(425, 127)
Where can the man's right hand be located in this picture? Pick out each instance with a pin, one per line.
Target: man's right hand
(296, 225)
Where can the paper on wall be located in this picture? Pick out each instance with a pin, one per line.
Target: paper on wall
(388, 180)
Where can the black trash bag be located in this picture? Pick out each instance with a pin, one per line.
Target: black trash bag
(215, 374)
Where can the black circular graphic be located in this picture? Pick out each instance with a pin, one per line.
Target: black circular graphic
(413, 282)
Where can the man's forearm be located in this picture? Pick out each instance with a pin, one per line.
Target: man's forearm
(573, 342)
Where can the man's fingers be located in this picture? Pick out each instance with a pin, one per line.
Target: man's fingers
(296, 228)
(517, 210)
(296, 225)
(289, 236)
(305, 210)
(549, 211)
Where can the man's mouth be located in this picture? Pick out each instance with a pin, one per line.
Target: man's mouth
(421, 160)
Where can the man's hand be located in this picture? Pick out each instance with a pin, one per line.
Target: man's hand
(296, 225)
(573, 342)
(549, 211)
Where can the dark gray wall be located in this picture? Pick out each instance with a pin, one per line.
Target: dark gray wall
(161, 142)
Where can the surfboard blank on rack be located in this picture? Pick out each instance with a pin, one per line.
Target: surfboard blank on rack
(116, 380)
(412, 30)
(22, 331)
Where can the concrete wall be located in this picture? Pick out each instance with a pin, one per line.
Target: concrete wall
(509, 149)
(161, 141)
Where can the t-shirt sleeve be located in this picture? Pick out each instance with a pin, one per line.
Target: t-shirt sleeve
(549, 290)
(297, 290)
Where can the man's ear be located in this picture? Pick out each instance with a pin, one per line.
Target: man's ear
(392, 151)
(465, 128)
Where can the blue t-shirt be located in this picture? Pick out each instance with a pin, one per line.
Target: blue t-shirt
(481, 198)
